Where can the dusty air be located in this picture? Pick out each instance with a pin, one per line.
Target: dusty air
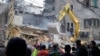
(49, 27)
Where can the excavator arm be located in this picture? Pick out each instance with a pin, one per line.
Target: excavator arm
(67, 10)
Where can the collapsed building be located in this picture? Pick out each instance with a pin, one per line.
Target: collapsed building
(25, 23)
(31, 17)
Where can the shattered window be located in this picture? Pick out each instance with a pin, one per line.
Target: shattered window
(96, 23)
(91, 23)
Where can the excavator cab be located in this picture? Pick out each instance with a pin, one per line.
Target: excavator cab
(85, 36)
(84, 33)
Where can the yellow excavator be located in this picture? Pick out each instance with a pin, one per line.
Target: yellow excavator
(67, 11)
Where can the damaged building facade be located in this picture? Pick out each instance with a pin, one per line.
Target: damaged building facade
(36, 15)
(40, 16)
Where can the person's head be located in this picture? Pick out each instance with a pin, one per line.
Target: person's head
(88, 46)
(16, 47)
(78, 43)
(43, 47)
(37, 46)
(55, 46)
(93, 43)
(73, 49)
(67, 48)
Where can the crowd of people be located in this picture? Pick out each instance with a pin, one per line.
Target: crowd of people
(18, 47)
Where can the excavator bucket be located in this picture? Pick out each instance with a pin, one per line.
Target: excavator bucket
(54, 28)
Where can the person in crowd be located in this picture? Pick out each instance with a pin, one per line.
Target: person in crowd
(43, 51)
(36, 48)
(73, 51)
(29, 51)
(88, 49)
(67, 51)
(80, 50)
(55, 51)
(16, 47)
(94, 49)
(61, 48)
(35, 51)
(2, 50)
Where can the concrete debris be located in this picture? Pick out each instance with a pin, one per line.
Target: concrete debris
(39, 3)
(31, 6)
(18, 20)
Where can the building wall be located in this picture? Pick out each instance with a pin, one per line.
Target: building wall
(42, 20)
(81, 13)
(52, 9)
(3, 20)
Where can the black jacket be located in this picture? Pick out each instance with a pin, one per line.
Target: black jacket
(81, 51)
(95, 51)
(66, 54)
